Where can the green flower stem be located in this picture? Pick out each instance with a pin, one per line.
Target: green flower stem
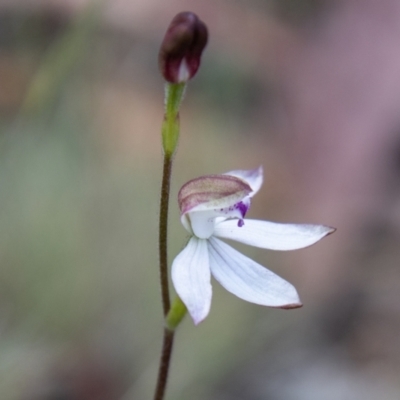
(176, 314)
(170, 136)
(170, 129)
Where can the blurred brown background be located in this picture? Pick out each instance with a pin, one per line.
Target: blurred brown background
(308, 89)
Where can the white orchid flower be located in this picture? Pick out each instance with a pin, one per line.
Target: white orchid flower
(213, 207)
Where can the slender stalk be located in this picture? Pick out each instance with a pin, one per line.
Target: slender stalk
(175, 316)
(163, 233)
(165, 359)
(170, 136)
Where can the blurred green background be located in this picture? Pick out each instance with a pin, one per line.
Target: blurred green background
(283, 84)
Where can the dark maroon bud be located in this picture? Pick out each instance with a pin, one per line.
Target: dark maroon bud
(181, 49)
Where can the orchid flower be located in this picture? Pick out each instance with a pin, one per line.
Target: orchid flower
(214, 207)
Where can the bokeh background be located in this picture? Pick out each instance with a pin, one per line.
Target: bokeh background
(309, 89)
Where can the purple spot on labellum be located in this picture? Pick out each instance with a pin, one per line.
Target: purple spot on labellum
(242, 207)
(240, 223)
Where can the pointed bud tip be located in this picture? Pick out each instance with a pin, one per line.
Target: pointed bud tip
(331, 230)
(181, 49)
(291, 306)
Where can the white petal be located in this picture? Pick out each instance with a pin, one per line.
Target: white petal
(191, 278)
(202, 223)
(248, 280)
(271, 235)
(253, 177)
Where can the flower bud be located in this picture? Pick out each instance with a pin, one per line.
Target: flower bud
(181, 49)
